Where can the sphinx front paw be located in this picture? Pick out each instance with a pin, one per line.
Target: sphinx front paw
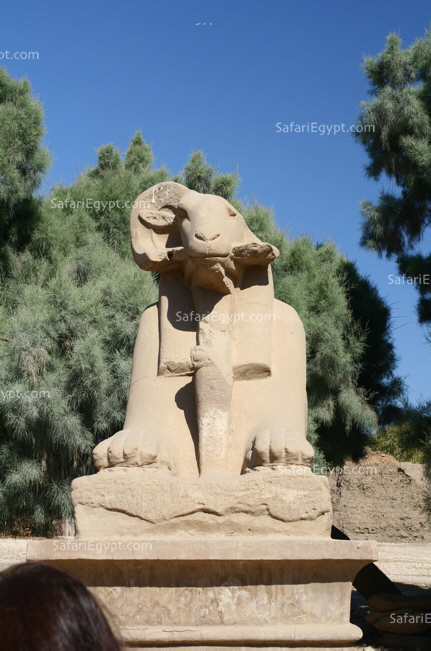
(133, 448)
(278, 446)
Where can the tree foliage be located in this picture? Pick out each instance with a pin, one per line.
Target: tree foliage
(23, 162)
(377, 372)
(396, 134)
(69, 316)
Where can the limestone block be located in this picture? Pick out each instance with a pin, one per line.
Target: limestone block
(199, 592)
(135, 503)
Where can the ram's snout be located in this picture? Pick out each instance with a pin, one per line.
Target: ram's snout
(206, 238)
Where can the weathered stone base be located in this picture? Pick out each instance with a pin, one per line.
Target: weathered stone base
(293, 636)
(205, 647)
(231, 593)
(241, 648)
(289, 502)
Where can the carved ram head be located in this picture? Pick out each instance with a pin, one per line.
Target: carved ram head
(172, 226)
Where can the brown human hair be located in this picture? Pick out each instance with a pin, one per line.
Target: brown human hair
(43, 608)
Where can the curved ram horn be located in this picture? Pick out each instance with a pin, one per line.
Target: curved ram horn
(153, 226)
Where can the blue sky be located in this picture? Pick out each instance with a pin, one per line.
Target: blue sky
(106, 69)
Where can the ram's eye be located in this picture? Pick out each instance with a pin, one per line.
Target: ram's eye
(182, 214)
(232, 212)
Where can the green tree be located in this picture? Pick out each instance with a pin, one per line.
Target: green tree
(377, 372)
(395, 129)
(23, 162)
(139, 156)
(200, 176)
(68, 321)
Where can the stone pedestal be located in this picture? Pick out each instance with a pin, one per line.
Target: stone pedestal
(219, 593)
(191, 563)
(290, 502)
